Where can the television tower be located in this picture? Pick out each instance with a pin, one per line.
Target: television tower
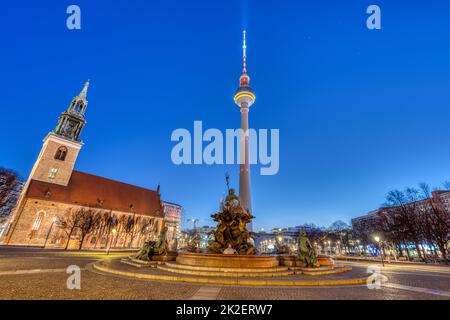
(244, 98)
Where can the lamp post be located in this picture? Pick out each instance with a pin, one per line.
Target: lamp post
(49, 231)
(329, 247)
(113, 231)
(195, 223)
(379, 243)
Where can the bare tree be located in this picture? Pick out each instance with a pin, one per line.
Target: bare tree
(129, 225)
(136, 229)
(434, 221)
(403, 214)
(144, 229)
(119, 224)
(111, 223)
(7, 179)
(8, 182)
(103, 227)
(88, 222)
(83, 220)
(68, 223)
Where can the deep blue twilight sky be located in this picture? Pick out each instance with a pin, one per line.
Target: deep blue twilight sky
(360, 112)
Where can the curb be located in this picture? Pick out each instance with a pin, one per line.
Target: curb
(238, 282)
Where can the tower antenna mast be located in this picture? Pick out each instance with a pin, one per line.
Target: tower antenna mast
(244, 52)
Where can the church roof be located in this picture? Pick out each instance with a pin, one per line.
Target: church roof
(89, 190)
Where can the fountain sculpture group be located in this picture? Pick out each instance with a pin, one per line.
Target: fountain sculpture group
(231, 245)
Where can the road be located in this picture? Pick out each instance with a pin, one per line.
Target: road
(27, 273)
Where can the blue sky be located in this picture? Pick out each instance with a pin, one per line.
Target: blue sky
(360, 112)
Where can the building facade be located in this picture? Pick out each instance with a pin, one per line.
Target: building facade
(366, 227)
(172, 219)
(61, 207)
(440, 199)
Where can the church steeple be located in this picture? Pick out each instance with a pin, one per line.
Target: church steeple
(72, 121)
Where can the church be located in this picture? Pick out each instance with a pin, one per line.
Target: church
(63, 208)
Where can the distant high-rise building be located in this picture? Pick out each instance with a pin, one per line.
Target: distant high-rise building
(172, 219)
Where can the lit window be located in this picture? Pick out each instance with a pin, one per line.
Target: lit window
(38, 220)
(52, 173)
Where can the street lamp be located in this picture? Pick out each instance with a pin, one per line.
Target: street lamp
(329, 247)
(195, 223)
(49, 231)
(379, 243)
(113, 231)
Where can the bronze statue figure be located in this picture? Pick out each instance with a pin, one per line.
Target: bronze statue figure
(194, 243)
(151, 248)
(231, 231)
(306, 252)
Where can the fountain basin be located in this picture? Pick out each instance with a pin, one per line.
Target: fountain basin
(226, 260)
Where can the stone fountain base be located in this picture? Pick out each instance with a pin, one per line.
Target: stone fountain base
(226, 261)
(293, 261)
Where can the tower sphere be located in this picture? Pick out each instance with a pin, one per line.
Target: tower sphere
(244, 96)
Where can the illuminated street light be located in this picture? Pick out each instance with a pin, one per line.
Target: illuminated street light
(379, 244)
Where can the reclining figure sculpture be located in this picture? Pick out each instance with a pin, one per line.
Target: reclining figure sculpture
(152, 248)
(306, 252)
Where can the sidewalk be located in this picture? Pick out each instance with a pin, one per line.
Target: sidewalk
(41, 249)
(390, 261)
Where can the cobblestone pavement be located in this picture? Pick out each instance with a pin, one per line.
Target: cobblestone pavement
(52, 285)
(356, 273)
(322, 293)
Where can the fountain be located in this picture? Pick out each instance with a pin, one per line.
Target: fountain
(231, 245)
(231, 256)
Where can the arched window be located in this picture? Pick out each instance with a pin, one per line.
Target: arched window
(38, 220)
(79, 107)
(61, 153)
